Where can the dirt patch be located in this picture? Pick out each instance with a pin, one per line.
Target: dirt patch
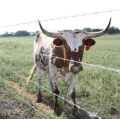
(31, 97)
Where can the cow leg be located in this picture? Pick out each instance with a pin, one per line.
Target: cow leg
(56, 106)
(55, 89)
(39, 100)
(72, 94)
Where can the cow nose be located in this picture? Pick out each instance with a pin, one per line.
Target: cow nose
(76, 68)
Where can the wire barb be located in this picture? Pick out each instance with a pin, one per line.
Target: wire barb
(92, 65)
(25, 101)
(13, 107)
(88, 112)
(85, 14)
(6, 111)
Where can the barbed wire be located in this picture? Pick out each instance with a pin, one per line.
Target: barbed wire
(88, 112)
(6, 111)
(1, 112)
(3, 116)
(92, 65)
(19, 96)
(79, 15)
(13, 107)
(25, 101)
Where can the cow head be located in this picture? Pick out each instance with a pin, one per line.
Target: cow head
(74, 43)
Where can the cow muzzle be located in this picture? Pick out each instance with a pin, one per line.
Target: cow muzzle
(75, 68)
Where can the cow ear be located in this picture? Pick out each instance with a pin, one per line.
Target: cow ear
(58, 42)
(89, 42)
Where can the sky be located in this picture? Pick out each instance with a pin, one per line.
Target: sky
(23, 11)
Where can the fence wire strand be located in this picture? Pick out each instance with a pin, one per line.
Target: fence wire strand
(88, 112)
(25, 102)
(13, 107)
(6, 111)
(92, 65)
(73, 16)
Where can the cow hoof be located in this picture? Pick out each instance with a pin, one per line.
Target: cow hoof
(39, 101)
(57, 113)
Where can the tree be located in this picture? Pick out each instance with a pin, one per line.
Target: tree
(112, 30)
(36, 32)
(96, 30)
(11, 34)
(117, 30)
(76, 30)
(6, 34)
(22, 33)
(32, 34)
(87, 29)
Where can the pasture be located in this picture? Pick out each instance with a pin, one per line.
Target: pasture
(97, 89)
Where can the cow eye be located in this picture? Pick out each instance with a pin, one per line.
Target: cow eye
(58, 42)
(66, 48)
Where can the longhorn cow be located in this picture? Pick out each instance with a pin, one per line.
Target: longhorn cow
(68, 45)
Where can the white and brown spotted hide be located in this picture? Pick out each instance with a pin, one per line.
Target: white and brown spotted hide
(68, 45)
(71, 47)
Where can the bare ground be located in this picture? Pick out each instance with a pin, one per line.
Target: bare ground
(18, 89)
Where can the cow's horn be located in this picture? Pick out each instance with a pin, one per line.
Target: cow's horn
(50, 34)
(97, 34)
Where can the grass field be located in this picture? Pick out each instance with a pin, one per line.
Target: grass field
(97, 89)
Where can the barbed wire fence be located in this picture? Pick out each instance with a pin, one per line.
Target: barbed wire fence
(88, 112)
(17, 74)
(73, 16)
(6, 88)
(12, 107)
(92, 65)
(6, 112)
(103, 67)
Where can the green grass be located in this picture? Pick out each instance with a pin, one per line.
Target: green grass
(97, 90)
(24, 109)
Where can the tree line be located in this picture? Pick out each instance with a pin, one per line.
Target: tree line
(19, 34)
(112, 30)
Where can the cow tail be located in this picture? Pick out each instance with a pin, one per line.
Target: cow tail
(31, 73)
